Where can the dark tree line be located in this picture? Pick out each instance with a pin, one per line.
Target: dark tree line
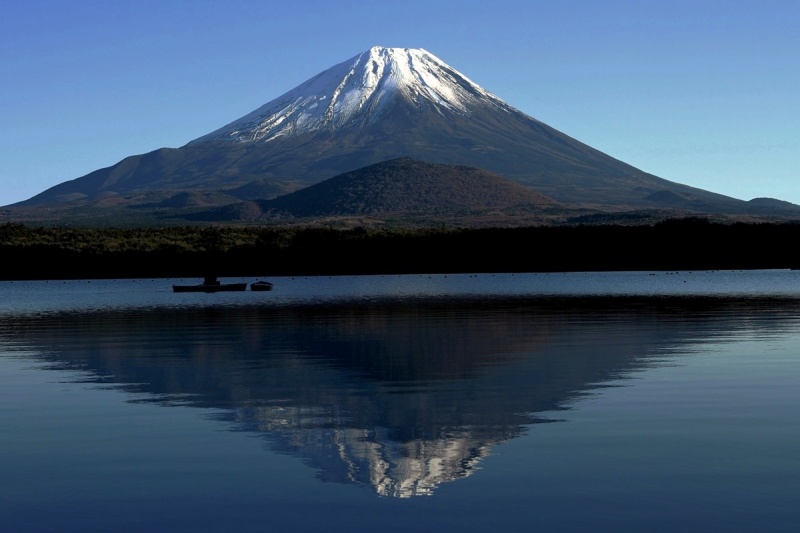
(685, 244)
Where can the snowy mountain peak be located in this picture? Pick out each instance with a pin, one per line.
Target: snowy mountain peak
(357, 92)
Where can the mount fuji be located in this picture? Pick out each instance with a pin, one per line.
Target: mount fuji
(379, 105)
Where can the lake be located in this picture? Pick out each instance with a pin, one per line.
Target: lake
(637, 401)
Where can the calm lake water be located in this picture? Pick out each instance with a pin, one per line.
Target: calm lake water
(538, 402)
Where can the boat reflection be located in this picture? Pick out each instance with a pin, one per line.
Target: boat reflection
(399, 397)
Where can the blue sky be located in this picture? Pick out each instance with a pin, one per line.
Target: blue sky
(705, 93)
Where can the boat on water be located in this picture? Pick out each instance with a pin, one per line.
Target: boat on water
(261, 286)
(202, 287)
(210, 284)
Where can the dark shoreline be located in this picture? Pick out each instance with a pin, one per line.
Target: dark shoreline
(687, 244)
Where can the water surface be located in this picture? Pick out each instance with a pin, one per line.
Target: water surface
(564, 402)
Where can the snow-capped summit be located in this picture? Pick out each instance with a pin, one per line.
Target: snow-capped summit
(382, 104)
(357, 92)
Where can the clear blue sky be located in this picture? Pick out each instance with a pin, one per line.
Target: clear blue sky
(705, 93)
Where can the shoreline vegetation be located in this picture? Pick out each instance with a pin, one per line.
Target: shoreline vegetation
(39, 253)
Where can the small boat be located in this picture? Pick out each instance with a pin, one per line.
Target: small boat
(210, 284)
(261, 286)
(210, 288)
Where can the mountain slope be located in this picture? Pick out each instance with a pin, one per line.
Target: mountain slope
(399, 187)
(383, 104)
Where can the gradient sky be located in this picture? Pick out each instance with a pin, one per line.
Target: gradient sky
(705, 93)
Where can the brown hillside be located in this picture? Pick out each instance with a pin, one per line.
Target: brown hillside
(407, 185)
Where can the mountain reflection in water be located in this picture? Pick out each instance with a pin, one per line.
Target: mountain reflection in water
(400, 397)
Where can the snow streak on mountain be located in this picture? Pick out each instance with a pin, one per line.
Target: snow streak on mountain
(381, 105)
(356, 92)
